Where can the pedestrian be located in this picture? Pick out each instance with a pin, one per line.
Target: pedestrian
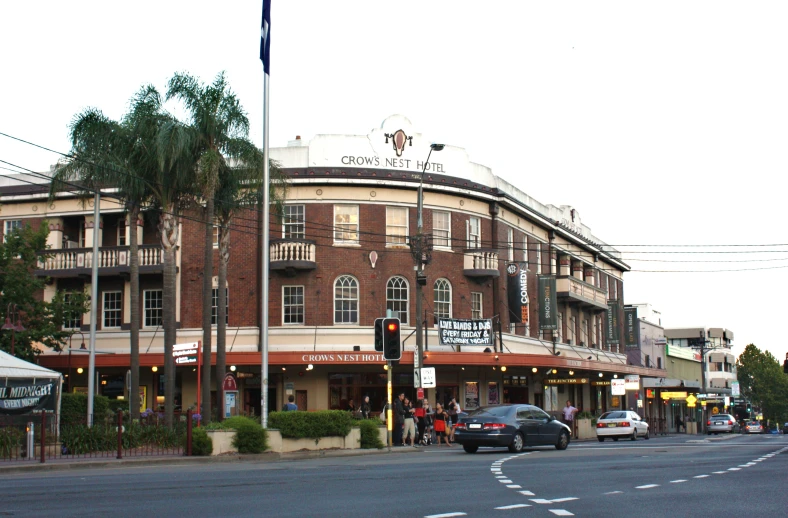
(680, 424)
(454, 414)
(569, 418)
(365, 408)
(409, 429)
(441, 422)
(351, 406)
(398, 419)
(429, 416)
(418, 415)
(290, 404)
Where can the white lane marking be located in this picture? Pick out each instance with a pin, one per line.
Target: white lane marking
(744, 465)
(505, 481)
(514, 486)
(700, 476)
(678, 481)
(719, 472)
(500, 476)
(445, 515)
(526, 493)
(568, 499)
(515, 506)
(561, 512)
(647, 486)
(614, 493)
(734, 469)
(751, 464)
(541, 501)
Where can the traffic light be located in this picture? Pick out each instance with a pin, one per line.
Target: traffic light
(379, 334)
(749, 408)
(391, 342)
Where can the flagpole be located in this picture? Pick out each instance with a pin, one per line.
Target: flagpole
(265, 45)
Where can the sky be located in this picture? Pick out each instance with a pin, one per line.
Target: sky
(662, 123)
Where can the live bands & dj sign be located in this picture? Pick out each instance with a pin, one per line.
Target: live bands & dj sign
(465, 332)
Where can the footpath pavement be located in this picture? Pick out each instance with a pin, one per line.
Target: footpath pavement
(59, 464)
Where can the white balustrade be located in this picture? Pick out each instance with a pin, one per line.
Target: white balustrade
(480, 260)
(292, 251)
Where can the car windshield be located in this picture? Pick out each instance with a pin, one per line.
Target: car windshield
(497, 411)
(613, 415)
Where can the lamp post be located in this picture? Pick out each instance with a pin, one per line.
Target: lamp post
(81, 347)
(418, 247)
(10, 325)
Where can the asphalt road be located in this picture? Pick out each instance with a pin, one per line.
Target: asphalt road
(676, 476)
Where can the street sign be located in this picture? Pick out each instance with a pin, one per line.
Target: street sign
(185, 354)
(691, 400)
(617, 388)
(735, 389)
(428, 377)
(416, 378)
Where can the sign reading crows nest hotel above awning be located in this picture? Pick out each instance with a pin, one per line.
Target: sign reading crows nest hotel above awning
(465, 332)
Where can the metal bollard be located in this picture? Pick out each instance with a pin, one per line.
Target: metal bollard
(120, 434)
(30, 442)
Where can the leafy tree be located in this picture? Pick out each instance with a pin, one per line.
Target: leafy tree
(20, 253)
(762, 381)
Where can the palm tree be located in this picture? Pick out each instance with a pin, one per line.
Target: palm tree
(216, 135)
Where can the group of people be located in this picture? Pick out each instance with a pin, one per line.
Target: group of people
(420, 424)
(362, 410)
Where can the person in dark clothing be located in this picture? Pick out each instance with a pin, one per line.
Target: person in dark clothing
(399, 420)
(365, 408)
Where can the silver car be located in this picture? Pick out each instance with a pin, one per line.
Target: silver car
(721, 423)
(753, 427)
(621, 424)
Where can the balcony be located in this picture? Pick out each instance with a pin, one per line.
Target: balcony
(480, 262)
(112, 260)
(572, 289)
(291, 255)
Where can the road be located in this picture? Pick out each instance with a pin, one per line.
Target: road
(675, 476)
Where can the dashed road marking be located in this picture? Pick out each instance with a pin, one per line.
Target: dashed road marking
(559, 500)
(505, 481)
(514, 486)
(515, 506)
(719, 472)
(678, 481)
(541, 501)
(734, 469)
(445, 515)
(561, 512)
(700, 476)
(647, 486)
(614, 493)
(526, 493)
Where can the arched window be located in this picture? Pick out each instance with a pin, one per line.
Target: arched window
(442, 290)
(397, 298)
(346, 300)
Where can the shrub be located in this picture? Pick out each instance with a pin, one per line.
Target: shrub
(584, 415)
(250, 437)
(74, 409)
(78, 439)
(10, 438)
(202, 445)
(117, 404)
(370, 437)
(312, 425)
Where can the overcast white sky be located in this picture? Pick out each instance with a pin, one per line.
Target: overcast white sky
(661, 122)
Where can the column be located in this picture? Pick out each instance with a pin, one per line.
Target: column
(55, 237)
(564, 269)
(588, 274)
(577, 270)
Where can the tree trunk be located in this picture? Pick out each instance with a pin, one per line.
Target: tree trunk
(134, 333)
(207, 331)
(221, 326)
(168, 228)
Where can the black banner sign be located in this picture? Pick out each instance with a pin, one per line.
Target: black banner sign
(517, 287)
(465, 332)
(24, 396)
(612, 322)
(631, 328)
(548, 318)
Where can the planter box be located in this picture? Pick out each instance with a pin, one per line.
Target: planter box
(692, 428)
(384, 435)
(585, 430)
(222, 441)
(277, 443)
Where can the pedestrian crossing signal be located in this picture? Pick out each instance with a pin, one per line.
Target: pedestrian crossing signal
(392, 350)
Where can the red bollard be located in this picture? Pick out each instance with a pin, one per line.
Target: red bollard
(43, 435)
(120, 434)
(189, 433)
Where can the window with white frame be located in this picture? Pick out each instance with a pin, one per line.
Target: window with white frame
(112, 309)
(525, 249)
(441, 228)
(72, 319)
(215, 305)
(474, 232)
(346, 224)
(538, 258)
(397, 298)
(510, 243)
(9, 226)
(121, 232)
(346, 300)
(442, 294)
(153, 302)
(476, 304)
(293, 222)
(396, 225)
(293, 305)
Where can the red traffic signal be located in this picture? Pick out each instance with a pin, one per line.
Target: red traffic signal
(392, 326)
(392, 349)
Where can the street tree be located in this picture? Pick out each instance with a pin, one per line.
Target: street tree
(761, 381)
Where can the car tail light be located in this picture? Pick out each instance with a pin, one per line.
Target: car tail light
(600, 425)
(623, 423)
(708, 423)
(460, 425)
(730, 422)
(494, 426)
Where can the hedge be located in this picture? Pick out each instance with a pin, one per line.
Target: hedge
(202, 445)
(74, 409)
(311, 425)
(370, 436)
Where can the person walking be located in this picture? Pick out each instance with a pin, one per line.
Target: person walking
(441, 423)
(569, 418)
(409, 428)
(365, 408)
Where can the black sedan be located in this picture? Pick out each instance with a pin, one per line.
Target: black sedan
(512, 426)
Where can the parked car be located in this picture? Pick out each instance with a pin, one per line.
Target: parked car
(753, 427)
(621, 424)
(512, 426)
(721, 423)
(785, 428)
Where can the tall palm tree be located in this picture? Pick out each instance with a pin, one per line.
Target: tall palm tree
(216, 130)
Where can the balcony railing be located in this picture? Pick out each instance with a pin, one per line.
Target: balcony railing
(574, 289)
(480, 262)
(67, 262)
(292, 254)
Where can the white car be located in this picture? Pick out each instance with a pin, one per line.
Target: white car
(621, 424)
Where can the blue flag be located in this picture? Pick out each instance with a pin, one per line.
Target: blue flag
(265, 37)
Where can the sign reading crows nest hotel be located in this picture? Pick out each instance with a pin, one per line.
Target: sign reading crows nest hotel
(517, 287)
(22, 396)
(465, 332)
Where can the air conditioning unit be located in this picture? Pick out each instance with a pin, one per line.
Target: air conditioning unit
(72, 244)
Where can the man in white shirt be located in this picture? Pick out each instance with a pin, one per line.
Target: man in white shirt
(569, 417)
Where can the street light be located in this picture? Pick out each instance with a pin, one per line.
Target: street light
(418, 248)
(13, 327)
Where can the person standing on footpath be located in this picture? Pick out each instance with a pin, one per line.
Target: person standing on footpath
(441, 423)
(290, 405)
(419, 416)
(454, 411)
(399, 420)
(365, 408)
(569, 417)
(409, 430)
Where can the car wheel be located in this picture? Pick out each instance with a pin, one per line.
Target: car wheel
(647, 437)
(601, 439)
(563, 441)
(470, 449)
(517, 443)
(615, 439)
(634, 435)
